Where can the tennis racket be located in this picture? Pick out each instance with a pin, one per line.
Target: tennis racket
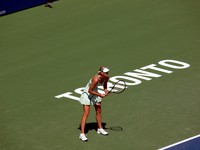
(118, 87)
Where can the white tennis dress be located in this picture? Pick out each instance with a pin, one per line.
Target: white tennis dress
(90, 99)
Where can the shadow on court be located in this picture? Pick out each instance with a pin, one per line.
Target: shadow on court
(93, 126)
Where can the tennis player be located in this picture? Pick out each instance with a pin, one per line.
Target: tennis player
(91, 96)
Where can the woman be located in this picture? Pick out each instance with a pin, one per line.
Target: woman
(91, 96)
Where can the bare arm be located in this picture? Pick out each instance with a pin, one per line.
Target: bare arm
(95, 80)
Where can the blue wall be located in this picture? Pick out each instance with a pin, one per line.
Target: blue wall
(10, 6)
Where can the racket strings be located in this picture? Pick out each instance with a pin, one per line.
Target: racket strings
(118, 87)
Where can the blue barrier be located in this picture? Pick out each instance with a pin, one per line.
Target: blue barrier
(10, 6)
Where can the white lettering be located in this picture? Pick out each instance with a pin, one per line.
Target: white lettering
(79, 90)
(152, 66)
(68, 95)
(138, 74)
(117, 78)
(181, 65)
(142, 74)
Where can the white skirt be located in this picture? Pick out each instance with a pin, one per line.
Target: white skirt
(89, 99)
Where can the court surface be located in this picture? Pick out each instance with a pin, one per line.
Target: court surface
(46, 52)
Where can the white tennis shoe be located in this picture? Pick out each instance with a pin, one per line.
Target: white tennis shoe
(82, 137)
(102, 131)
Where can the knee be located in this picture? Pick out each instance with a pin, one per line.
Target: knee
(98, 111)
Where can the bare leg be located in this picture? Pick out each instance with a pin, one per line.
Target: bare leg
(98, 115)
(86, 110)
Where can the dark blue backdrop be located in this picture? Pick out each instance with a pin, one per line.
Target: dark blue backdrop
(10, 6)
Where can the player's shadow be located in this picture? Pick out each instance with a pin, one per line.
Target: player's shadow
(91, 126)
(94, 126)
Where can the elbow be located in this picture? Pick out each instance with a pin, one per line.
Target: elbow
(90, 91)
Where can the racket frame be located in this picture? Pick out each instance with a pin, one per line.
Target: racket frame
(124, 84)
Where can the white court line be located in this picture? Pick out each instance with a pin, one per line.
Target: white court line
(180, 142)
